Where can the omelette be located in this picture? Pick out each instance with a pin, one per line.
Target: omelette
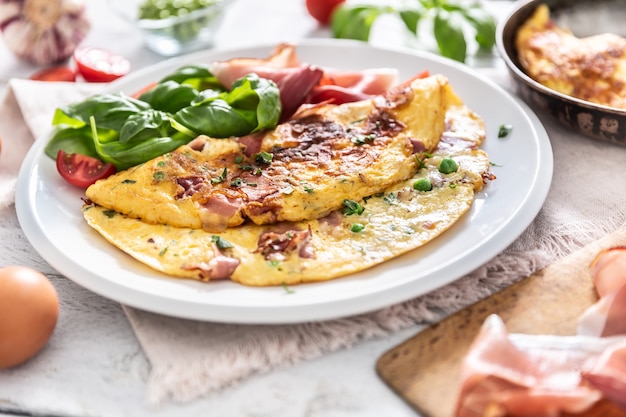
(358, 212)
(591, 68)
(301, 170)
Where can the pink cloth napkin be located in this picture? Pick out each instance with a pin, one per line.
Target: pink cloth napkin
(190, 359)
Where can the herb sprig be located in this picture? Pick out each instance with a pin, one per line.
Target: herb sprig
(451, 20)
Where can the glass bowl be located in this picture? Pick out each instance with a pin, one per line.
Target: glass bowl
(175, 35)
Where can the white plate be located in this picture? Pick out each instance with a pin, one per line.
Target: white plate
(49, 211)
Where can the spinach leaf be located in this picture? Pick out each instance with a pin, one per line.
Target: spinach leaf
(170, 96)
(253, 104)
(127, 131)
(197, 76)
(109, 110)
(71, 140)
(145, 125)
(126, 155)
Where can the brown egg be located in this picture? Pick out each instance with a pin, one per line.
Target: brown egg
(29, 308)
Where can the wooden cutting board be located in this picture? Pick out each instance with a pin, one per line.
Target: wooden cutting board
(424, 369)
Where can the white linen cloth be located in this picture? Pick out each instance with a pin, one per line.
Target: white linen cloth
(190, 359)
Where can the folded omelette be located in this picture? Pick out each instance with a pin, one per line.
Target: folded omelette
(335, 190)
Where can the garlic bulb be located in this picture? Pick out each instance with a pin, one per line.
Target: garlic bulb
(43, 31)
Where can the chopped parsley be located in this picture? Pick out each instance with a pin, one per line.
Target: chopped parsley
(391, 198)
(238, 159)
(161, 163)
(264, 157)
(159, 176)
(221, 242)
(221, 178)
(308, 189)
(351, 207)
(420, 163)
(109, 213)
(363, 139)
(127, 181)
(287, 289)
(236, 182)
(163, 251)
(504, 130)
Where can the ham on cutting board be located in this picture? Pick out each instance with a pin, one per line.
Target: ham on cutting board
(425, 370)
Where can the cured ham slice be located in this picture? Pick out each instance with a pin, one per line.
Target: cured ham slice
(524, 375)
(533, 376)
(608, 373)
(347, 86)
(300, 83)
(293, 78)
(608, 270)
(607, 316)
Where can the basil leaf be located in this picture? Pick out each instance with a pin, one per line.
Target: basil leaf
(110, 111)
(216, 119)
(126, 155)
(448, 31)
(126, 131)
(355, 22)
(145, 125)
(197, 76)
(251, 105)
(257, 94)
(71, 141)
(170, 96)
(484, 24)
(411, 18)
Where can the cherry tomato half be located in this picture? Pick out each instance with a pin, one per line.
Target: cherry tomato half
(143, 90)
(55, 74)
(82, 170)
(321, 10)
(100, 66)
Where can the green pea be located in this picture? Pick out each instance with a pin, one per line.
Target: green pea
(423, 184)
(448, 166)
(357, 227)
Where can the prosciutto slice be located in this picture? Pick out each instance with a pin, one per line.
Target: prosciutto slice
(523, 375)
(301, 83)
(607, 316)
(293, 78)
(341, 87)
(526, 376)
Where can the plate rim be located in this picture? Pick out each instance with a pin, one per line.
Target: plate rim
(35, 232)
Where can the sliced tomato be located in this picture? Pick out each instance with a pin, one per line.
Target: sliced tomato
(61, 73)
(99, 65)
(143, 90)
(321, 10)
(82, 170)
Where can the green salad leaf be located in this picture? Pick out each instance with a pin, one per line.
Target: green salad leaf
(126, 131)
(452, 21)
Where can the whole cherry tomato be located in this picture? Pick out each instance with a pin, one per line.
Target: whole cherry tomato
(321, 10)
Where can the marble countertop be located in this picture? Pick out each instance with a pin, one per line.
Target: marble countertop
(94, 366)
